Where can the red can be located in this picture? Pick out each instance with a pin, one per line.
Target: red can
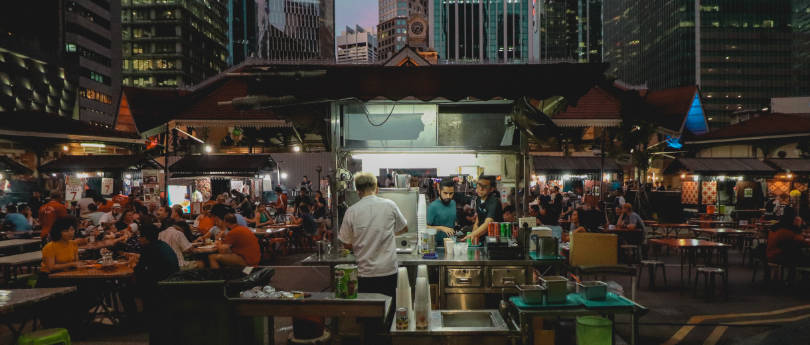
(515, 231)
(493, 228)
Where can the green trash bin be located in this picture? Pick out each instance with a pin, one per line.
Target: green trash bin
(594, 330)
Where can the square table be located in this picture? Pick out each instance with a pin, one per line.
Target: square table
(688, 252)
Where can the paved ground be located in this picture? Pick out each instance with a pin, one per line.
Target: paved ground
(754, 314)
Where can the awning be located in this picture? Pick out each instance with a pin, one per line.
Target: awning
(9, 165)
(795, 165)
(573, 165)
(716, 166)
(99, 163)
(34, 125)
(222, 165)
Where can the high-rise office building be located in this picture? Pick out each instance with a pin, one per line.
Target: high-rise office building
(740, 52)
(242, 27)
(569, 30)
(401, 23)
(173, 43)
(54, 51)
(297, 30)
(356, 46)
(478, 31)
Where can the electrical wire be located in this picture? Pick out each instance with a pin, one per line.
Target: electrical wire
(368, 118)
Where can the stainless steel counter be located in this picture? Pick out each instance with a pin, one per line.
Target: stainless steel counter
(458, 327)
(475, 257)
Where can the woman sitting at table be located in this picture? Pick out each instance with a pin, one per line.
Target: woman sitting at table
(205, 221)
(62, 253)
(128, 222)
(262, 217)
(575, 226)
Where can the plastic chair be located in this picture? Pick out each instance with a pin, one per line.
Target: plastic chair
(48, 336)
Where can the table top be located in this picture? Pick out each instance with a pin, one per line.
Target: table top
(18, 298)
(687, 243)
(675, 225)
(95, 272)
(18, 242)
(725, 231)
(277, 226)
(270, 231)
(19, 259)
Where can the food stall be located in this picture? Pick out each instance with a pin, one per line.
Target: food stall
(443, 121)
(194, 179)
(577, 174)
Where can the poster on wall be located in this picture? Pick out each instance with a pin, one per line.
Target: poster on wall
(106, 186)
(236, 185)
(74, 187)
(202, 188)
(178, 195)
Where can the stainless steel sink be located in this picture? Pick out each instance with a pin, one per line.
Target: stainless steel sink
(467, 319)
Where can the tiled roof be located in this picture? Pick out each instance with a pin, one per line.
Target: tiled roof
(598, 103)
(670, 106)
(763, 126)
(797, 165)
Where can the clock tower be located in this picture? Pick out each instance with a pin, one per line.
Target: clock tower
(418, 31)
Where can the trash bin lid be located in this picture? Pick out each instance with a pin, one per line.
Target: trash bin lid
(593, 321)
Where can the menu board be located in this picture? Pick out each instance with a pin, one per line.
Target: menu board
(106, 186)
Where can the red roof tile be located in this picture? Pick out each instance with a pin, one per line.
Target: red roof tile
(598, 103)
(763, 126)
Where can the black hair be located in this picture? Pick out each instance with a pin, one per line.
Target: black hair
(447, 183)
(11, 208)
(492, 180)
(220, 210)
(92, 208)
(509, 208)
(150, 232)
(535, 208)
(62, 224)
(786, 221)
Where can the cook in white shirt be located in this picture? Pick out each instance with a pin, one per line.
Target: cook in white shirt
(369, 228)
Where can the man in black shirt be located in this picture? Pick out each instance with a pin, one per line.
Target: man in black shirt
(487, 206)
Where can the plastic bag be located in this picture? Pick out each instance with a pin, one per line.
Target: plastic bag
(615, 288)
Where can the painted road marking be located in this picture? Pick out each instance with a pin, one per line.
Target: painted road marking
(681, 334)
(715, 336)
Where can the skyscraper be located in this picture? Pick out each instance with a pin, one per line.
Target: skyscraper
(740, 52)
(481, 31)
(402, 22)
(297, 30)
(569, 30)
(242, 27)
(173, 43)
(62, 49)
(356, 46)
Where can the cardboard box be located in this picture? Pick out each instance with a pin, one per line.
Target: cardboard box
(590, 249)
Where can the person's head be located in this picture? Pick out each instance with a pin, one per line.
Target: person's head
(149, 233)
(783, 198)
(319, 195)
(575, 216)
(163, 212)
(509, 213)
(627, 208)
(485, 186)
(221, 199)
(534, 210)
(278, 190)
(57, 197)
(11, 208)
(365, 183)
(116, 209)
(446, 191)
(219, 211)
(177, 212)
(229, 220)
(63, 229)
(306, 179)
(557, 189)
(92, 208)
(25, 209)
(35, 194)
(545, 190)
(304, 207)
(788, 219)
(128, 216)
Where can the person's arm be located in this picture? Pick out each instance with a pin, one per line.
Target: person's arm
(400, 222)
(346, 229)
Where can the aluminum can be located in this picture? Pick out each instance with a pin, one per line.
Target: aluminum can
(402, 319)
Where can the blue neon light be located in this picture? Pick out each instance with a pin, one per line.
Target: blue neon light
(696, 119)
(674, 143)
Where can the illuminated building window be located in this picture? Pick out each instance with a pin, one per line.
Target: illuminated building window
(95, 95)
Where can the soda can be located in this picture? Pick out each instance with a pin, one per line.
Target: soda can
(346, 281)
(515, 231)
(402, 318)
(508, 232)
(469, 239)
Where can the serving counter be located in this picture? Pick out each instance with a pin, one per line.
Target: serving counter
(473, 281)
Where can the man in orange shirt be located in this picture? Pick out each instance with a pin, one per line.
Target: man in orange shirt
(51, 211)
(240, 247)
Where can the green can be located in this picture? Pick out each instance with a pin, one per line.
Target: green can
(503, 229)
(346, 281)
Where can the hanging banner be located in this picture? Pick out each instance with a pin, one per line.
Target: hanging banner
(74, 187)
(106, 186)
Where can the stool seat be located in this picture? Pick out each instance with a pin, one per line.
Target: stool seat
(48, 336)
(712, 270)
(709, 280)
(652, 262)
(652, 267)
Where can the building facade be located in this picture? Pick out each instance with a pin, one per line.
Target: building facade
(57, 51)
(401, 23)
(569, 30)
(296, 30)
(173, 43)
(477, 31)
(356, 46)
(740, 52)
(242, 27)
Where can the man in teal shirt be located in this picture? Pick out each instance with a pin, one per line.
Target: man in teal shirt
(441, 214)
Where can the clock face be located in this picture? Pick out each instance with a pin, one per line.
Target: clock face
(417, 28)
